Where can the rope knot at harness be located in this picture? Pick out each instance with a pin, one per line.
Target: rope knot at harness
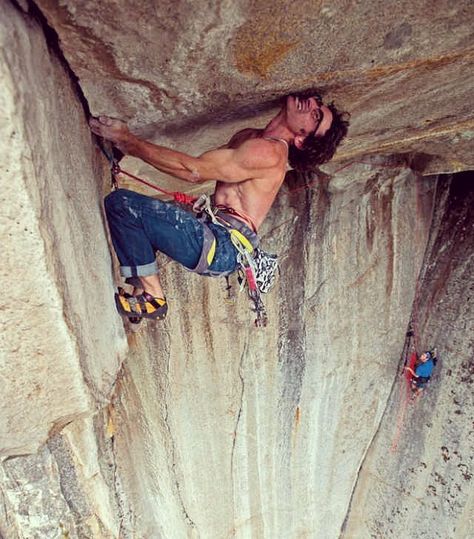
(183, 198)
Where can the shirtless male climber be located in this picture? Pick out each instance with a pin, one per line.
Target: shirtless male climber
(249, 171)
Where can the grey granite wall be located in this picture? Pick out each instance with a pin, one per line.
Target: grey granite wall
(204, 426)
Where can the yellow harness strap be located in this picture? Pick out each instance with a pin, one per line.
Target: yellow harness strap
(240, 241)
(211, 253)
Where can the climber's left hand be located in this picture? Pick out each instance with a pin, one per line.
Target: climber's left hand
(111, 129)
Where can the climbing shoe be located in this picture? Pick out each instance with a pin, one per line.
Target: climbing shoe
(132, 301)
(141, 306)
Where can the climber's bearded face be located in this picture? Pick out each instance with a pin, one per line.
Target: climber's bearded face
(307, 115)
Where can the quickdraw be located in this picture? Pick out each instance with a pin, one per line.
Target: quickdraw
(108, 150)
(248, 269)
(245, 249)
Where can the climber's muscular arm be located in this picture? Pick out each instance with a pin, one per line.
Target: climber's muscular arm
(252, 159)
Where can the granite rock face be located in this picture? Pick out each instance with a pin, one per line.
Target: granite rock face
(204, 426)
(425, 486)
(261, 433)
(191, 73)
(60, 354)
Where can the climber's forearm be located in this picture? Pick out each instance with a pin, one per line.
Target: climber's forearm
(171, 162)
(228, 165)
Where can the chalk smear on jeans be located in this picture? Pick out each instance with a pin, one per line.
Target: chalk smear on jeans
(129, 208)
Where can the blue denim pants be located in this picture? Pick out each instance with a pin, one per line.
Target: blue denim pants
(141, 225)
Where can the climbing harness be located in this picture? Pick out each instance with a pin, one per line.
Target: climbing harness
(257, 269)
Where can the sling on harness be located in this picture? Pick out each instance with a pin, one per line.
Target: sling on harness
(257, 267)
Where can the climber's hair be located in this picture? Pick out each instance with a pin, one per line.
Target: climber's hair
(318, 149)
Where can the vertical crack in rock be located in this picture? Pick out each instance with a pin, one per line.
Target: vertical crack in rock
(188, 519)
(365, 454)
(392, 394)
(69, 485)
(387, 210)
(174, 464)
(5, 515)
(239, 413)
(292, 341)
(53, 42)
(125, 514)
(440, 199)
(125, 529)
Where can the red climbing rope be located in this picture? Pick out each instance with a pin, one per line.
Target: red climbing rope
(404, 397)
(410, 367)
(182, 198)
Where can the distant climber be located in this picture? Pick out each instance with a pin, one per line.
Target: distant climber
(248, 171)
(423, 370)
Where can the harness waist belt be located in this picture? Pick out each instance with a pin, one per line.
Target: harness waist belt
(208, 250)
(235, 226)
(229, 221)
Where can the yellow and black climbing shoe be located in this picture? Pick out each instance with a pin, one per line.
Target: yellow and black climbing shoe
(154, 308)
(131, 305)
(141, 306)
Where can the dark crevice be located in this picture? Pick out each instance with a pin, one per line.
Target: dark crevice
(54, 47)
(239, 413)
(397, 379)
(237, 421)
(125, 513)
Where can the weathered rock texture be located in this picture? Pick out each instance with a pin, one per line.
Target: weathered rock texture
(60, 353)
(204, 426)
(190, 73)
(262, 432)
(425, 486)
